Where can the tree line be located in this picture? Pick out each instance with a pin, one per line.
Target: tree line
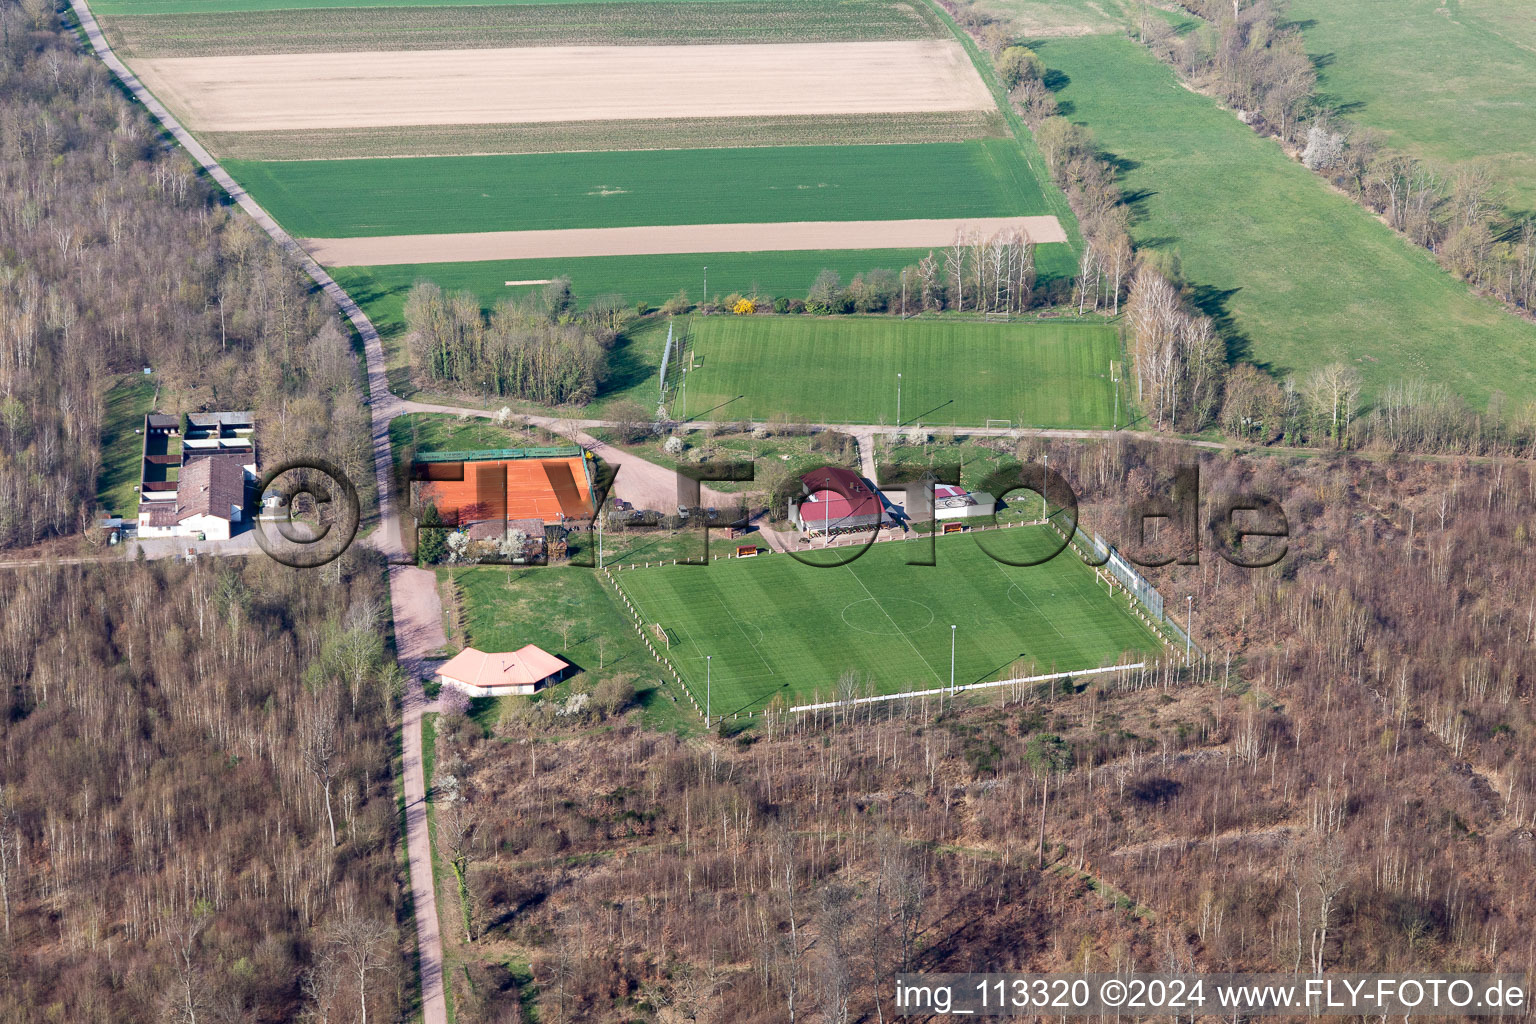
(1252, 59)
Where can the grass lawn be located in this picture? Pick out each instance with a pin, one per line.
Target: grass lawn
(1445, 82)
(1298, 276)
(430, 195)
(445, 27)
(954, 372)
(504, 608)
(774, 625)
(127, 402)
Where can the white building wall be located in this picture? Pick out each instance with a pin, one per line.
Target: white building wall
(486, 691)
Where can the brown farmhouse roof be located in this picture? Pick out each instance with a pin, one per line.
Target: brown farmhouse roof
(209, 487)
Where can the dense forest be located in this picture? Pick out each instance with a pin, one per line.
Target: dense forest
(115, 254)
(1344, 783)
(197, 820)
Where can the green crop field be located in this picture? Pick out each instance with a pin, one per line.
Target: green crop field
(382, 290)
(545, 24)
(345, 198)
(1444, 82)
(843, 370)
(577, 136)
(1297, 275)
(772, 625)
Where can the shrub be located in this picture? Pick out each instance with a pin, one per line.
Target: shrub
(614, 694)
(677, 303)
(781, 305)
(743, 307)
(1017, 65)
(673, 445)
(827, 294)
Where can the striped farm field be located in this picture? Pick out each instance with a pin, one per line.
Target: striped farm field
(534, 84)
(773, 626)
(197, 34)
(612, 136)
(351, 198)
(953, 373)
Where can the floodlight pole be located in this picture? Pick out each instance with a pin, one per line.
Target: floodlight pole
(706, 287)
(951, 661)
(1116, 422)
(1189, 624)
(684, 389)
(708, 687)
(898, 401)
(1044, 480)
(600, 538)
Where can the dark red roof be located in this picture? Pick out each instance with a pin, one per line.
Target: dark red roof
(835, 495)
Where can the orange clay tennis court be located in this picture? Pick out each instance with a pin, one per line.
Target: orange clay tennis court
(472, 492)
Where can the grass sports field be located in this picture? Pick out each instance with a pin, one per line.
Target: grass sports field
(843, 370)
(1304, 276)
(1445, 82)
(773, 625)
(348, 198)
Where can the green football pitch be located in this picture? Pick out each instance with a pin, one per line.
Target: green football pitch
(773, 625)
(844, 370)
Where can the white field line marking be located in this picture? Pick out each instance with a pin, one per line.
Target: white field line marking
(737, 622)
(872, 597)
(968, 686)
(518, 284)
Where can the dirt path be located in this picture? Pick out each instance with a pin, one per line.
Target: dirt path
(419, 631)
(572, 243)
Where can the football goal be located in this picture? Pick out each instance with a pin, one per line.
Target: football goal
(1003, 424)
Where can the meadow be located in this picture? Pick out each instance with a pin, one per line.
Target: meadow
(1033, 19)
(1296, 275)
(611, 135)
(1444, 83)
(349, 198)
(843, 370)
(773, 625)
(535, 24)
